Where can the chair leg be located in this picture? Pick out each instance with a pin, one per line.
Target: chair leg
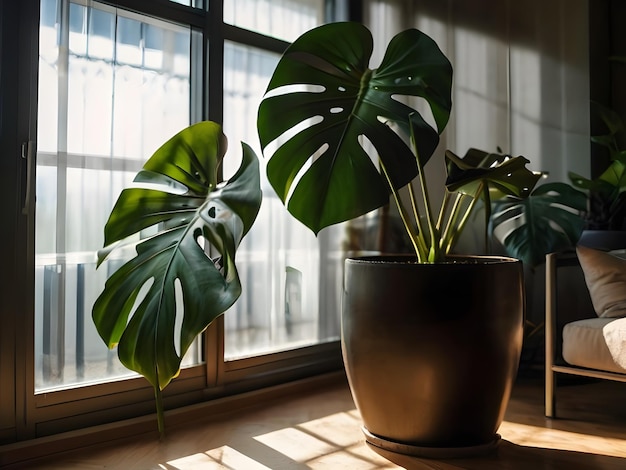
(550, 333)
(550, 398)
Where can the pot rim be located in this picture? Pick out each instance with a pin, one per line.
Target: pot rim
(394, 259)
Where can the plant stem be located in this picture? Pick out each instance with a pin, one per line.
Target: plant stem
(160, 413)
(421, 239)
(487, 202)
(444, 207)
(454, 215)
(402, 210)
(434, 251)
(459, 227)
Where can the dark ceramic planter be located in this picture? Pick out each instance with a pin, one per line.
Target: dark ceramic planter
(431, 350)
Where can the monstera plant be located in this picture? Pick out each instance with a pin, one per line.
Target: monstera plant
(184, 228)
(325, 175)
(606, 204)
(555, 215)
(430, 341)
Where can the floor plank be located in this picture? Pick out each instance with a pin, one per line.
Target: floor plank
(322, 431)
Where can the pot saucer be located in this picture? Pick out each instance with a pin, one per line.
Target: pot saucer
(432, 452)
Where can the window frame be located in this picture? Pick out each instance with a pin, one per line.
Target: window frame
(25, 415)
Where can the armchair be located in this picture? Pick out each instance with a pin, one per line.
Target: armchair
(583, 343)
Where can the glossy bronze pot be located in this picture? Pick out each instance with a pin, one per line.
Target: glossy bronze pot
(431, 350)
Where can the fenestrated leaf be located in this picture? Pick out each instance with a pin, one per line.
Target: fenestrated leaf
(340, 99)
(548, 220)
(139, 304)
(189, 160)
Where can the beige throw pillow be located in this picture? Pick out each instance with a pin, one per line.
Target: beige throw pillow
(605, 276)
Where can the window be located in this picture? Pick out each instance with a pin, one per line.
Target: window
(113, 84)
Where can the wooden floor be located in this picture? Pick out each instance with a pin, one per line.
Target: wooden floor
(322, 430)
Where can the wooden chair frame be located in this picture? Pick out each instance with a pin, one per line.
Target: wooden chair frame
(553, 361)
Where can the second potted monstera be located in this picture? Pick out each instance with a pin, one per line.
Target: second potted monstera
(431, 341)
(174, 234)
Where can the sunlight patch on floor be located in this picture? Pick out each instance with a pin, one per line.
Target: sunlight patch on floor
(333, 441)
(296, 444)
(336, 441)
(537, 436)
(219, 458)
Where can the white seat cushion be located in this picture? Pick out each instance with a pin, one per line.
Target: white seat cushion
(596, 343)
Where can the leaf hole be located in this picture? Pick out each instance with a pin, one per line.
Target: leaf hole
(273, 146)
(180, 314)
(420, 105)
(141, 296)
(296, 88)
(218, 262)
(296, 180)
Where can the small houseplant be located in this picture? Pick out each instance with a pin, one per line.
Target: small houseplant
(606, 206)
(556, 214)
(183, 228)
(430, 341)
(548, 220)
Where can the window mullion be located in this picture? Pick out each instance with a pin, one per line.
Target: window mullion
(253, 39)
(213, 109)
(214, 40)
(160, 9)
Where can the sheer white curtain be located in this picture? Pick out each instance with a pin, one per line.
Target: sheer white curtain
(291, 279)
(520, 75)
(284, 19)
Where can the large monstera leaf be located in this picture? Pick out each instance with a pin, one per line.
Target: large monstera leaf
(183, 274)
(324, 101)
(548, 220)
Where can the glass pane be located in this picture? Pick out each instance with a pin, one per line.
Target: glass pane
(283, 19)
(126, 89)
(291, 279)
